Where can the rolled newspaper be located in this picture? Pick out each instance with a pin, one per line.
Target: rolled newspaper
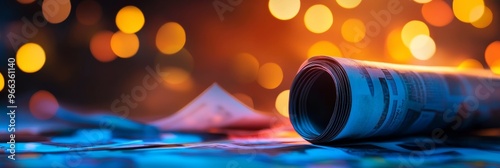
(335, 99)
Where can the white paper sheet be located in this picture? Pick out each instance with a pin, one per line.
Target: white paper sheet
(214, 108)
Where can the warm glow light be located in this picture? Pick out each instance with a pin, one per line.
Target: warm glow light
(245, 67)
(30, 57)
(476, 13)
(353, 30)
(437, 13)
(423, 1)
(177, 79)
(396, 48)
(129, 19)
(282, 102)
(495, 67)
(124, 45)
(318, 18)
(2, 82)
(174, 75)
(25, 1)
(43, 105)
(470, 64)
(56, 11)
(270, 75)
(413, 29)
(485, 19)
(348, 4)
(88, 12)
(170, 38)
(244, 98)
(422, 47)
(468, 10)
(284, 9)
(323, 48)
(100, 46)
(492, 56)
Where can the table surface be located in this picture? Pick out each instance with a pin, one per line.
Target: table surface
(97, 148)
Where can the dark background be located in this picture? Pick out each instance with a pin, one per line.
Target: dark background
(81, 82)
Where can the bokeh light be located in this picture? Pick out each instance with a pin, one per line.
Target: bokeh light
(2, 82)
(396, 48)
(495, 67)
(423, 1)
(284, 9)
(412, 29)
(422, 47)
(30, 57)
(348, 4)
(88, 12)
(56, 11)
(318, 18)
(270, 75)
(100, 46)
(470, 64)
(245, 68)
(281, 103)
(129, 19)
(25, 1)
(468, 10)
(245, 99)
(175, 75)
(43, 105)
(492, 56)
(177, 79)
(324, 48)
(170, 38)
(437, 13)
(249, 47)
(124, 45)
(353, 30)
(485, 19)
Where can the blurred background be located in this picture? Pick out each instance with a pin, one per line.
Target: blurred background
(151, 58)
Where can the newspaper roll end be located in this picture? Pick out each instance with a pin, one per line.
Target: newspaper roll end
(320, 99)
(335, 99)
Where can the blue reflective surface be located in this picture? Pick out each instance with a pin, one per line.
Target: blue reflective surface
(194, 150)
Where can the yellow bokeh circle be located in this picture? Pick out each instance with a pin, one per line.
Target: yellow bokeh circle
(353, 30)
(468, 10)
(284, 9)
(324, 48)
(422, 47)
(124, 45)
(318, 18)
(177, 79)
(2, 82)
(129, 19)
(281, 103)
(485, 19)
(412, 29)
(30, 57)
(396, 48)
(348, 4)
(422, 1)
(470, 64)
(170, 38)
(270, 75)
